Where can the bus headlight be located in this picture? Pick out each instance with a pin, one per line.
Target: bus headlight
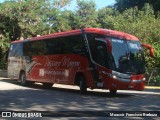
(114, 77)
(144, 79)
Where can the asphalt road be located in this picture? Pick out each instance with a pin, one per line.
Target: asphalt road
(14, 97)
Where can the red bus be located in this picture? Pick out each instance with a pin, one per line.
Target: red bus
(90, 58)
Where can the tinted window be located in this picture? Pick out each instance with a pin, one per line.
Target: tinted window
(72, 44)
(98, 48)
(53, 46)
(91, 39)
(99, 53)
(16, 49)
(63, 45)
(35, 48)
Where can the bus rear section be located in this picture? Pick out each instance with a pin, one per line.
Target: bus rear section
(61, 60)
(90, 58)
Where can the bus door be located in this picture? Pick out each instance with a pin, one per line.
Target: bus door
(90, 53)
(101, 58)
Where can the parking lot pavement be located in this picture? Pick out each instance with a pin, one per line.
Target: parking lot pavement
(148, 89)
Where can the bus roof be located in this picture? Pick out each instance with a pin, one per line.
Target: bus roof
(107, 32)
(112, 33)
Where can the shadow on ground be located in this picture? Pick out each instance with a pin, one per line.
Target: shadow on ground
(73, 91)
(61, 99)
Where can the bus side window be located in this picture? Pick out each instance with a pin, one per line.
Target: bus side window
(78, 45)
(12, 50)
(98, 49)
(91, 40)
(20, 49)
(27, 49)
(35, 48)
(52, 46)
(63, 45)
(72, 45)
(16, 50)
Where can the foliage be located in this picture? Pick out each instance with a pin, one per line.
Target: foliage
(106, 17)
(17, 20)
(122, 5)
(84, 16)
(28, 18)
(141, 23)
(4, 43)
(153, 77)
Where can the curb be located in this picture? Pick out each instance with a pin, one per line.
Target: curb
(152, 87)
(2, 78)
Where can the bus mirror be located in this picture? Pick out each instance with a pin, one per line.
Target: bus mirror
(109, 46)
(151, 49)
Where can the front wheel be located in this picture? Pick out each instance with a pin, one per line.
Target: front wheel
(82, 84)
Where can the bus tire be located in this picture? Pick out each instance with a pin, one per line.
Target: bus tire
(112, 92)
(82, 84)
(23, 80)
(47, 85)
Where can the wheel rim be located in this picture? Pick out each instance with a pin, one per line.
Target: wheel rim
(23, 78)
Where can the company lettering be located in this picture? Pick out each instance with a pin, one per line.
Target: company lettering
(53, 64)
(65, 62)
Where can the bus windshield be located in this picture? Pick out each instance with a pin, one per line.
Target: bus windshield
(127, 56)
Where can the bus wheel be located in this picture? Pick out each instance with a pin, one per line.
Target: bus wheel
(23, 80)
(82, 84)
(112, 92)
(47, 85)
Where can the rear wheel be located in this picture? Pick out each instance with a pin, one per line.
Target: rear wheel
(23, 80)
(112, 92)
(82, 84)
(47, 85)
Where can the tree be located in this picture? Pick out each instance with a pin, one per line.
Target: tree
(9, 25)
(17, 20)
(48, 16)
(86, 14)
(57, 16)
(141, 23)
(122, 5)
(106, 17)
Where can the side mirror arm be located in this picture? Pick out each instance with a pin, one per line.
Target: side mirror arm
(151, 49)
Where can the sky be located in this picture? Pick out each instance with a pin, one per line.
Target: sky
(103, 3)
(99, 3)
